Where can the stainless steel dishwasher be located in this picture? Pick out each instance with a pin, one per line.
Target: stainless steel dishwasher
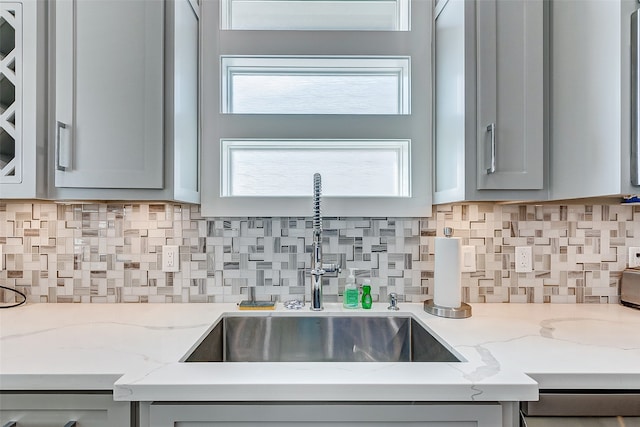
(583, 408)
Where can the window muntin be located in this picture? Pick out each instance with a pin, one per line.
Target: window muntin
(318, 15)
(284, 168)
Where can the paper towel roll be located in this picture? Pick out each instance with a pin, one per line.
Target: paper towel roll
(447, 291)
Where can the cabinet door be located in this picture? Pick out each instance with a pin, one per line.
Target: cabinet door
(323, 414)
(109, 94)
(22, 100)
(590, 78)
(183, 99)
(11, 64)
(454, 90)
(510, 95)
(46, 410)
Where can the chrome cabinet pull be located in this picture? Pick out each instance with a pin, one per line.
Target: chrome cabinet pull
(59, 125)
(15, 424)
(635, 98)
(492, 129)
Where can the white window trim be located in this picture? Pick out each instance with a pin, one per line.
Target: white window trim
(417, 127)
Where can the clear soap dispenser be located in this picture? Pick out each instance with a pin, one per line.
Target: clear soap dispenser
(350, 296)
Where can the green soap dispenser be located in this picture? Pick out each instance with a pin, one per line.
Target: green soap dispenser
(367, 301)
(351, 294)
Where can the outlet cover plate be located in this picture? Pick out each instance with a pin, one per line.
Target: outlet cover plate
(171, 258)
(524, 259)
(634, 257)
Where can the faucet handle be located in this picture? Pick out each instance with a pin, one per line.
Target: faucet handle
(393, 302)
(332, 268)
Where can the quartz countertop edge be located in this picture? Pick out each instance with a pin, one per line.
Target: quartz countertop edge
(323, 382)
(511, 352)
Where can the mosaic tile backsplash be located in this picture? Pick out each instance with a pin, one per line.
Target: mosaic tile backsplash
(108, 253)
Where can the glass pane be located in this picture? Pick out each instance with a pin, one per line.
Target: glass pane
(355, 168)
(374, 15)
(315, 85)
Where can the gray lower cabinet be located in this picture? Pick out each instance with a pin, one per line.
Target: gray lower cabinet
(377, 414)
(124, 99)
(53, 409)
(490, 100)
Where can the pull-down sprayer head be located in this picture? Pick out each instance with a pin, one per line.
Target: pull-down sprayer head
(317, 190)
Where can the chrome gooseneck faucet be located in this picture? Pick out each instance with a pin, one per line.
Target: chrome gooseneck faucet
(318, 269)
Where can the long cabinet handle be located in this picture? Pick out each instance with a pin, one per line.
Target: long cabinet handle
(59, 126)
(492, 130)
(15, 424)
(635, 98)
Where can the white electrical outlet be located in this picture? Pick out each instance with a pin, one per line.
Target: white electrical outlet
(524, 259)
(468, 259)
(1, 259)
(170, 258)
(634, 257)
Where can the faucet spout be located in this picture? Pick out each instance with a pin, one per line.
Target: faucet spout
(318, 269)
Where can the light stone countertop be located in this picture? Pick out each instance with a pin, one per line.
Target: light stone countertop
(511, 352)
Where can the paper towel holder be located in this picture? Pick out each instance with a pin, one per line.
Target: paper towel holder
(461, 312)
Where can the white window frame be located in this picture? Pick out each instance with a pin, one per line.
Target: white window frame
(416, 127)
(316, 65)
(401, 21)
(401, 149)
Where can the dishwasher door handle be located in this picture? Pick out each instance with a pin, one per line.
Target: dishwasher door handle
(576, 404)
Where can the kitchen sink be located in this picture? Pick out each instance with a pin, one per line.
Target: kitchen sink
(329, 338)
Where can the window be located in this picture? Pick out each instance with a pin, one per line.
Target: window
(391, 15)
(289, 91)
(255, 168)
(315, 85)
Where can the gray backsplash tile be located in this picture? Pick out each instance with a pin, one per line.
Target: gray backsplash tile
(106, 253)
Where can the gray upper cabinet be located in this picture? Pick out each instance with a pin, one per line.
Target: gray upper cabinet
(489, 100)
(22, 100)
(591, 98)
(125, 112)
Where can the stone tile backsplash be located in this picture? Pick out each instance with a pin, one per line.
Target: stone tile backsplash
(106, 253)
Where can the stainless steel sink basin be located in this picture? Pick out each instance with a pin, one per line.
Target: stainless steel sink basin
(320, 339)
